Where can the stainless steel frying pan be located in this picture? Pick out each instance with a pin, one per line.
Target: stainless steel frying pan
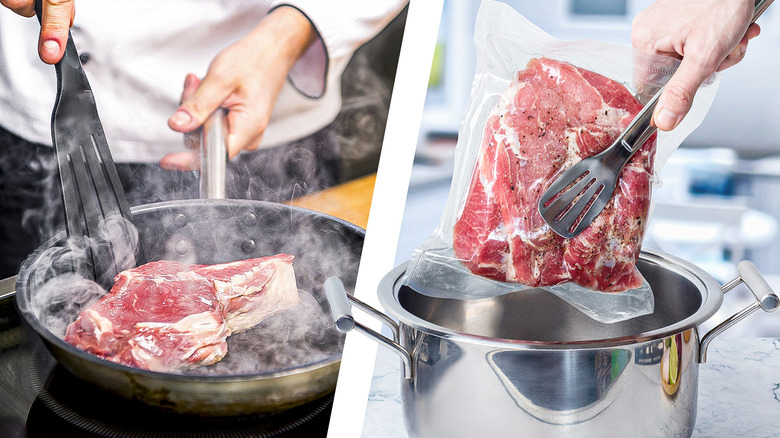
(215, 231)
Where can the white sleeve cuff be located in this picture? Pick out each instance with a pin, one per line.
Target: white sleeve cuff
(341, 28)
(308, 75)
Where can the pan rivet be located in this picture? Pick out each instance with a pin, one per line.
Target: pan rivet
(180, 220)
(182, 247)
(248, 246)
(250, 220)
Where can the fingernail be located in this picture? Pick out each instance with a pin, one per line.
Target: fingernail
(666, 119)
(181, 118)
(50, 49)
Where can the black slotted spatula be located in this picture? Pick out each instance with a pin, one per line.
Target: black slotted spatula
(91, 190)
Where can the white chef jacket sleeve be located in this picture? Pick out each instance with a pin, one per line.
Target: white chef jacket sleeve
(342, 26)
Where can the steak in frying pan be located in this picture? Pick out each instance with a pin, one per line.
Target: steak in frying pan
(166, 316)
(552, 116)
(252, 290)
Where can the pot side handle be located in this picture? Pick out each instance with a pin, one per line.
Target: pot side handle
(766, 300)
(341, 311)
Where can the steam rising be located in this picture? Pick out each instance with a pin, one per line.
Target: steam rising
(55, 309)
(59, 275)
(296, 337)
(57, 281)
(366, 88)
(55, 278)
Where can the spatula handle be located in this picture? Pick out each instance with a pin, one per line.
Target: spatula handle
(761, 6)
(640, 129)
(38, 5)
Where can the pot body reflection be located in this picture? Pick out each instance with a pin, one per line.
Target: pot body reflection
(466, 390)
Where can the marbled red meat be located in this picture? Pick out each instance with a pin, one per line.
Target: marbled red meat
(552, 116)
(250, 292)
(167, 316)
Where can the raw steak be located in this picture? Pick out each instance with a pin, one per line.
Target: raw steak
(552, 116)
(166, 316)
(252, 292)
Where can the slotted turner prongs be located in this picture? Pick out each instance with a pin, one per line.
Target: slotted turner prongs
(90, 184)
(579, 194)
(575, 199)
(91, 189)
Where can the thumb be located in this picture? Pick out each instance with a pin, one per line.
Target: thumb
(198, 105)
(677, 97)
(56, 19)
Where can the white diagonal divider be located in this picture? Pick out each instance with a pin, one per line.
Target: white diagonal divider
(387, 208)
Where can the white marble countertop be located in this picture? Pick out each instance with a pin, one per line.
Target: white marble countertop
(739, 392)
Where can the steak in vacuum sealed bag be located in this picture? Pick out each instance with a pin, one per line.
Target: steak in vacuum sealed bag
(539, 105)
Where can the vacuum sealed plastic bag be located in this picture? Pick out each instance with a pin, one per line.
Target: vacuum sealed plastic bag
(539, 105)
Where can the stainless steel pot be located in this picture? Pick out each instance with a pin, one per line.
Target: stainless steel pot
(210, 232)
(528, 364)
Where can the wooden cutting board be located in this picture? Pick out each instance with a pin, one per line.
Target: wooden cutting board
(350, 201)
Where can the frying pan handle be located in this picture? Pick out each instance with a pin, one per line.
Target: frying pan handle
(766, 300)
(213, 156)
(341, 311)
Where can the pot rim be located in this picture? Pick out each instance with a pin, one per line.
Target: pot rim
(712, 298)
(59, 343)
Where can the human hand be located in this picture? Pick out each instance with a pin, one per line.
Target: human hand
(57, 18)
(707, 35)
(245, 79)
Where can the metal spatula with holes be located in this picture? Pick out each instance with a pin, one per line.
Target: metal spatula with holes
(577, 197)
(91, 190)
(580, 193)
